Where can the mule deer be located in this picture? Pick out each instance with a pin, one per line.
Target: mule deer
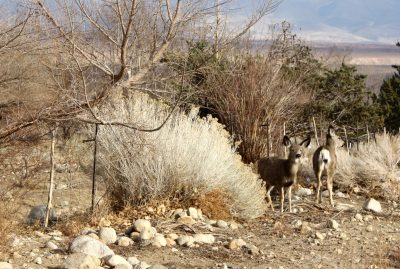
(282, 173)
(324, 164)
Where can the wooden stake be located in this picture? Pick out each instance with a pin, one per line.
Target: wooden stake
(50, 194)
(315, 131)
(368, 135)
(347, 141)
(94, 167)
(284, 133)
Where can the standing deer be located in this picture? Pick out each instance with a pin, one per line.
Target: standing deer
(324, 164)
(282, 173)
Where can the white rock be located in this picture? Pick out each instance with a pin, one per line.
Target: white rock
(185, 240)
(38, 260)
(123, 266)
(142, 265)
(147, 234)
(51, 245)
(159, 241)
(81, 261)
(188, 220)
(304, 192)
(170, 242)
(114, 260)
(233, 226)
(124, 241)
(373, 205)
(192, 212)
(340, 194)
(108, 235)
(333, 224)
(133, 260)
(204, 238)
(344, 207)
(320, 236)
(5, 265)
(158, 266)
(252, 249)
(88, 245)
(222, 224)
(370, 228)
(325, 193)
(236, 243)
(297, 224)
(358, 217)
(141, 224)
(172, 236)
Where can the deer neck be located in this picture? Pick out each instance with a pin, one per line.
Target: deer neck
(291, 168)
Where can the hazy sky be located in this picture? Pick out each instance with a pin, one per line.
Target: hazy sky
(326, 20)
(341, 20)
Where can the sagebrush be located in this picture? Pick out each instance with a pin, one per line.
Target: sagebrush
(188, 157)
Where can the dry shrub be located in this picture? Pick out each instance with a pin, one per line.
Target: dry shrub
(188, 157)
(214, 204)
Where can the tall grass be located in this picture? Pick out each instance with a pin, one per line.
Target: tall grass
(189, 156)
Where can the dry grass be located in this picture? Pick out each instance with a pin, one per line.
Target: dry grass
(214, 204)
(188, 157)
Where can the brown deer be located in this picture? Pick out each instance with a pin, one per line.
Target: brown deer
(282, 173)
(324, 164)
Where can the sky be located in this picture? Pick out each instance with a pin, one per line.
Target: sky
(357, 21)
(354, 21)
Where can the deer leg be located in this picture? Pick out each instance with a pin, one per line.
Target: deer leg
(282, 198)
(319, 194)
(329, 182)
(290, 198)
(269, 197)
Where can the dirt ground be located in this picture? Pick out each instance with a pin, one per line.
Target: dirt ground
(288, 240)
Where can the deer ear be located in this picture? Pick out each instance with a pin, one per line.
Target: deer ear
(286, 141)
(306, 142)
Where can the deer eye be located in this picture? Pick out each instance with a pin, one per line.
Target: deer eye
(298, 155)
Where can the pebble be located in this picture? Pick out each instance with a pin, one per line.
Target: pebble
(370, 228)
(114, 260)
(204, 238)
(185, 240)
(124, 241)
(222, 224)
(51, 245)
(233, 226)
(38, 260)
(333, 224)
(107, 235)
(372, 205)
(133, 260)
(358, 217)
(320, 236)
(141, 225)
(159, 241)
(187, 220)
(192, 212)
(236, 244)
(170, 242)
(81, 260)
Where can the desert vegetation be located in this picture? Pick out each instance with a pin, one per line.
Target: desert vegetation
(183, 106)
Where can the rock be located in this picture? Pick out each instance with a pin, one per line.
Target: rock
(38, 260)
(368, 217)
(325, 193)
(305, 228)
(135, 236)
(104, 222)
(51, 245)
(141, 225)
(172, 236)
(38, 214)
(372, 205)
(90, 246)
(146, 234)
(161, 209)
(204, 238)
(304, 192)
(81, 261)
(192, 212)
(340, 194)
(114, 260)
(344, 207)
(123, 266)
(333, 224)
(87, 230)
(94, 236)
(233, 226)
(188, 220)
(5, 265)
(236, 244)
(142, 265)
(320, 236)
(158, 266)
(297, 224)
(159, 241)
(370, 228)
(124, 241)
(133, 261)
(185, 240)
(222, 224)
(107, 235)
(252, 249)
(170, 242)
(358, 217)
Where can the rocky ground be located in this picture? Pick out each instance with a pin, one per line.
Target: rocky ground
(347, 236)
(163, 236)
